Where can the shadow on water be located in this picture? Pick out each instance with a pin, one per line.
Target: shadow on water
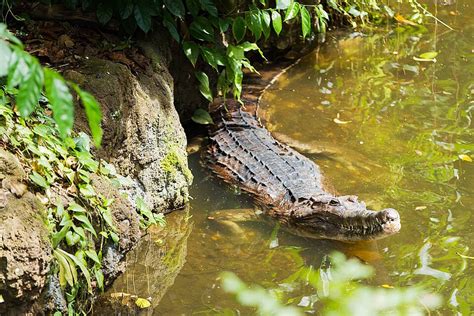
(394, 130)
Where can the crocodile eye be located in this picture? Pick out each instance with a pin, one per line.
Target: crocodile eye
(334, 202)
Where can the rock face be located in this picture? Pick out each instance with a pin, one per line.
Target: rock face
(25, 250)
(143, 136)
(126, 221)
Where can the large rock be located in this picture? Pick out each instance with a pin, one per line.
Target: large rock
(143, 136)
(25, 250)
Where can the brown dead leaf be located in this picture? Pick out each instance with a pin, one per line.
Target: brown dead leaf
(65, 41)
(121, 58)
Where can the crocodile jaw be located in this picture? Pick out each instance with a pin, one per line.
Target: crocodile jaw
(343, 219)
(369, 225)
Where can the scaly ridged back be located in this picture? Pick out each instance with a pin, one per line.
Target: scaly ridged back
(244, 153)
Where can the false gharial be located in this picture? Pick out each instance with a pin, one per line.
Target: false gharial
(285, 184)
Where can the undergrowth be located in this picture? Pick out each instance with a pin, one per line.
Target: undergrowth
(59, 170)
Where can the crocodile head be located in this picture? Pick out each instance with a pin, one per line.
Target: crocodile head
(342, 218)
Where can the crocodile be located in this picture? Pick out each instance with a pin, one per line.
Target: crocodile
(285, 184)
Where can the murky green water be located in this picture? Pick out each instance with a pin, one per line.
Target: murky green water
(393, 130)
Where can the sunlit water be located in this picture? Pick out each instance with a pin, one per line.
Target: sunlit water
(391, 129)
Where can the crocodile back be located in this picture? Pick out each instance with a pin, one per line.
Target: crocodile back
(243, 152)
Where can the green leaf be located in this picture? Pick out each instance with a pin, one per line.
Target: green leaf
(80, 231)
(170, 24)
(204, 85)
(236, 52)
(104, 12)
(39, 180)
(292, 11)
(191, 50)
(82, 142)
(66, 220)
(72, 238)
(93, 114)
(224, 24)
(6, 34)
(323, 17)
(60, 235)
(85, 159)
(99, 276)
(84, 270)
(18, 68)
(208, 5)
(61, 101)
(238, 83)
(59, 209)
(67, 271)
(283, 4)
(107, 216)
(87, 190)
(93, 255)
(143, 17)
(238, 28)
(305, 21)
(266, 21)
(201, 116)
(193, 7)
(114, 236)
(5, 54)
(160, 219)
(76, 208)
(30, 89)
(429, 55)
(176, 7)
(85, 221)
(81, 255)
(212, 57)
(276, 22)
(255, 24)
(247, 46)
(333, 4)
(201, 29)
(222, 84)
(126, 9)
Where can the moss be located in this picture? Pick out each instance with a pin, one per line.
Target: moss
(174, 162)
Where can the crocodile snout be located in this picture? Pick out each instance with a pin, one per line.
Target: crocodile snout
(391, 221)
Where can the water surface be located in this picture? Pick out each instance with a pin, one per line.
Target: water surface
(382, 125)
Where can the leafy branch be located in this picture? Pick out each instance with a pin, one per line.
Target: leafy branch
(219, 37)
(27, 80)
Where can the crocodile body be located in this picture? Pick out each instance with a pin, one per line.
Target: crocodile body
(286, 184)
